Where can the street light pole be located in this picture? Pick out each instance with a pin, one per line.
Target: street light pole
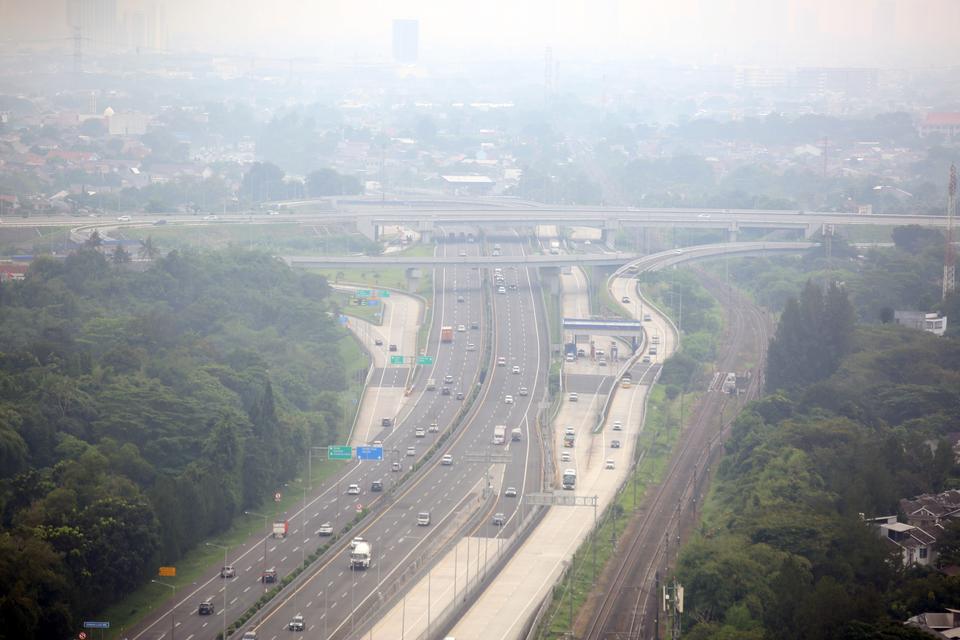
(173, 590)
(224, 612)
(254, 513)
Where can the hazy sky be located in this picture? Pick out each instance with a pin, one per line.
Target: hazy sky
(838, 32)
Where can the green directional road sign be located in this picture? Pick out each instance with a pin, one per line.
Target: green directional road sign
(396, 359)
(384, 293)
(339, 453)
(424, 359)
(363, 293)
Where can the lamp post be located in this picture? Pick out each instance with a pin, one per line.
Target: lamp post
(260, 515)
(224, 612)
(173, 590)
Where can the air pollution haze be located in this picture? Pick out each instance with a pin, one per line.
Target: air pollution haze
(904, 33)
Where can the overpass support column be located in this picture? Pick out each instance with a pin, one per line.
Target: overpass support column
(608, 235)
(365, 226)
(812, 230)
(426, 230)
(413, 275)
(733, 232)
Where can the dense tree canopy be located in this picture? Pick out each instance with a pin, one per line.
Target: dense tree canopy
(141, 411)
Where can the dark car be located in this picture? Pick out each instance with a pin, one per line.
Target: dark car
(386, 422)
(445, 391)
(206, 608)
(392, 347)
(269, 576)
(376, 485)
(378, 342)
(459, 395)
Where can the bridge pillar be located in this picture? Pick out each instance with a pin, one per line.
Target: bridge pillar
(733, 232)
(413, 275)
(812, 230)
(368, 228)
(608, 235)
(426, 230)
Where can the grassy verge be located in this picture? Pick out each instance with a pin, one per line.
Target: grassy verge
(393, 277)
(191, 567)
(655, 446)
(276, 237)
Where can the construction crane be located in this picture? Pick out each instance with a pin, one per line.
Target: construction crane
(950, 255)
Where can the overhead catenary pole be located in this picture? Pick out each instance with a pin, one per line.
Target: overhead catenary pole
(950, 254)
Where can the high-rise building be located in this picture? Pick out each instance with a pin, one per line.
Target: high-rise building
(96, 20)
(406, 40)
(143, 25)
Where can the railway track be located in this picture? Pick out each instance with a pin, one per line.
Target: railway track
(629, 606)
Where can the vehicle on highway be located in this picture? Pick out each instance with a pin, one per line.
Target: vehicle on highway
(392, 348)
(678, 250)
(703, 215)
(471, 346)
(460, 298)
(573, 397)
(159, 223)
(249, 635)
(326, 529)
(353, 543)
(296, 623)
(614, 444)
(510, 492)
(206, 608)
(378, 342)
(602, 362)
(446, 460)
(569, 479)
(124, 219)
(395, 467)
(565, 456)
(462, 254)
(211, 217)
(645, 360)
(515, 370)
(499, 519)
(353, 490)
(625, 383)
(646, 317)
(501, 361)
(625, 300)
(448, 378)
(446, 334)
(523, 391)
(376, 485)
(508, 399)
(474, 324)
(655, 340)
(360, 556)
(500, 434)
(513, 286)
(445, 391)
(617, 425)
(273, 212)
(652, 350)
(569, 431)
(269, 576)
(431, 384)
(569, 441)
(581, 353)
(461, 328)
(570, 357)
(386, 422)
(419, 432)
(423, 519)
(501, 289)
(434, 427)
(610, 464)
(411, 451)
(459, 395)
(378, 443)
(280, 529)
(228, 571)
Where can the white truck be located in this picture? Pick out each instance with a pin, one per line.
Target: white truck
(280, 529)
(499, 434)
(360, 556)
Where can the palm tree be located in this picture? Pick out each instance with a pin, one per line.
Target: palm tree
(148, 250)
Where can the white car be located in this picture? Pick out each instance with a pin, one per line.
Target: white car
(501, 289)
(411, 451)
(419, 432)
(610, 464)
(423, 519)
(510, 492)
(326, 529)
(573, 397)
(704, 215)
(565, 456)
(501, 361)
(124, 219)
(617, 425)
(353, 490)
(446, 460)
(211, 217)
(448, 379)
(515, 369)
(461, 328)
(471, 346)
(522, 391)
(508, 399)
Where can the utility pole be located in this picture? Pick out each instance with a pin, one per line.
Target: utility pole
(77, 50)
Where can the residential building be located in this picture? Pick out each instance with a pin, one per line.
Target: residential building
(946, 124)
(930, 322)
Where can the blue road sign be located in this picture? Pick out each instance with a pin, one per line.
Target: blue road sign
(369, 453)
(93, 624)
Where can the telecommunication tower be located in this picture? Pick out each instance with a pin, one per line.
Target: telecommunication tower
(950, 255)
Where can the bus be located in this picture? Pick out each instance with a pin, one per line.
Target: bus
(730, 383)
(569, 479)
(499, 434)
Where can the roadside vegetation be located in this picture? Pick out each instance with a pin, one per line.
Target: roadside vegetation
(142, 411)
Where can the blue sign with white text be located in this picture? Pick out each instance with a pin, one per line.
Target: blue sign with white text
(369, 453)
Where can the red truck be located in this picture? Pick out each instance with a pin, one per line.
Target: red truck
(446, 334)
